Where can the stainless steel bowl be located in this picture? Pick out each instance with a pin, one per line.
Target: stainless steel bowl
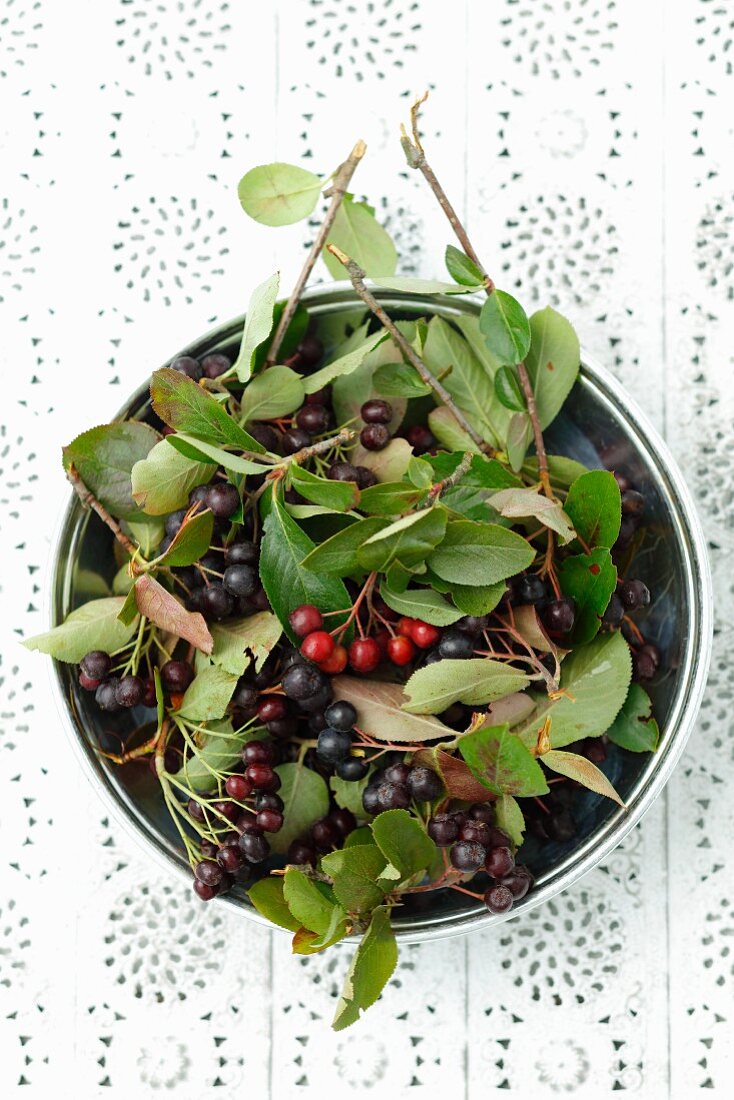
(599, 425)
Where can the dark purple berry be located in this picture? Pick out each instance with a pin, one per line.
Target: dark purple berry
(366, 478)
(268, 800)
(424, 784)
(341, 715)
(129, 691)
(393, 796)
(208, 871)
(343, 821)
(238, 787)
(303, 682)
(499, 862)
(266, 435)
(173, 522)
(467, 855)
(615, 611)
(188, 366)
(254, 847)
(300, 853)
(480, 811)
(371, 800)
(634, 594)
(518, 882)
(242, 553)
(529, 589)
(498, 899)
(223, 499)
(176, 676)
(342, 471)
(241, 580)
(195, 810)
(376, 411)
(230, 859)
(559, 615)
(106, 696)
(216, 602)
(374, 437)
(294, 440)
(324, 835)
(270, 821)
(314, 419)
(206, 893)
(96, 664)
(215, 365)
(396, 773)
(260, 752)
(443, 830)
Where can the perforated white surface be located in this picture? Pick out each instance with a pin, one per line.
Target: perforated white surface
(590, 145)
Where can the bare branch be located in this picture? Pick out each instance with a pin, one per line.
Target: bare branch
(89, 500)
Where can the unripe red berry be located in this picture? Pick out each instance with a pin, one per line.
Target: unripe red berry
(305, 619)
(400, 650)
(317, 646)
(424, 634)
(364, 655)
(336, 663)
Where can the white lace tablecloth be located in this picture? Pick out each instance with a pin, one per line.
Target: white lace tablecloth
(590, 145)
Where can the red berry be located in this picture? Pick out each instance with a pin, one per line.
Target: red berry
(424, 634)
(237, 787)
(336, 663)
(262, 777)
(272, 708)
(382, 637)
(400, 650)
(87, 682)
(318, 646)
(305, 619)
(364, 655)
(405, 626)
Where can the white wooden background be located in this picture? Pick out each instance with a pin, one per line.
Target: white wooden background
(590, 145)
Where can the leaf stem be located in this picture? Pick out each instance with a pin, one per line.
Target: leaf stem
(336, 192)
(527, 389)
(357, 275)
(89, 500)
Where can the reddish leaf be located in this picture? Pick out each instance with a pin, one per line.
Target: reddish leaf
(163, 609)
(458, 779)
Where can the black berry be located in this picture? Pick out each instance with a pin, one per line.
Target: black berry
(241, 580)
(188, 366)
(467, 855)
(341, 715)
(424, 784)
(333, 745)
(96, 664)
(223, 499)
(456, 645)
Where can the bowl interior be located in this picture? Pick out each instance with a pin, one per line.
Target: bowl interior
(596, 427)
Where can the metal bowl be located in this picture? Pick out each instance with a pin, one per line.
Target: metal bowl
(600, 426)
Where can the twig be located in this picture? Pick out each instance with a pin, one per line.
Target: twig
(89, 500)
(440, 487)
(357, 275)
(416, 158)
(336, 192)
(527, 389)
(343, 436)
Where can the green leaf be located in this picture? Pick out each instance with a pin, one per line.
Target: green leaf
(208, 695)
(94, 625)
(517, 441)
(351, 390)
(508, 390)
(362, 835)
(161, 483)
(240, 642)
(338, 554)
(357, 232)
(594, 504)
(590, 579)
(390, 498)
(198, 451)
(344, 365)
(399, 380)
(421, 603)
(433, 688)
(420, 473)
(308, 943)
(403, 842)
(276, 392)
(563, 471)
(192, 539)
(531, 504)
(496, 414)
(582, 771)
(129, 610)
(505, 327)
(467, 382)
(267, 897)
(306, 799)
(287, 583)
(163, 609)
(219, 750)
(502, 763)
(407, 541)
(186, 407)
(552, 362)
(279, 194)
(387, 465)
(480, 553)
(594, 682)
(348, 793)
(634, 728)
(354, 872)
(380, 708)
(477, 599)
(455, 774)
(340, 496)
(470, 496)
(407, 284)
(258, 326)
(371, 969)
(461, 269)
(147, 532)
(509, 818)
(104, 457)
(308, 903)
(447, 431)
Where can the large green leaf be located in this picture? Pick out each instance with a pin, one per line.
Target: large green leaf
(258, 325)
(344, 365)
(581, 771)
(380, 711)
(186, 407)
(268, 898)
(552, 362)
(502, 762)
(467, 382)
(433, 688)
(340, 496)
(590, 579)
(357, 232)
(94, 625)
(276, 392)
(354, 872)
(192, 539)
(161, 483)
(305, 798)
(404, 844)
(338, 554)
(208, 695)
(279, 194)
(390, 498)
(104, 457)
(421, 603)
(408, 540)
(307, 901)
(372, 966)
(480, 553)
(594, 505)
(634, 728)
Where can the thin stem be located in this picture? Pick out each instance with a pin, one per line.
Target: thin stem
(357, 275)
(440, 487)
(344, 436)
(89, 500)
(336, 192)
(527, 389)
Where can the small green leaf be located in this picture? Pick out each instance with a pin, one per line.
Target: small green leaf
(517, 440)
(308, 943)
(161, 483)
(563, 471)
(357, 232)
(477, 599)
(387, 465)
(157, 604)
(208, 695)
(344, 365)
(94, 625)
(399, 380)
(241, 642)
(552, 362)
(594, 505)
(590, 579)
(348, 793)
(362, 835)
(287, 583)
(455, 774)
(276, 392)
(307, 901)
(354, 872)
(508, 390)
(433, 688)
(279, 194)
(192, 539)
(129, 610)
(470, 496)
(186, 407)
(306, 799)
(467, 382)
(582, 771)
(104, 457)
(447, 431)
(372, 967)
(421, 603)
(267, 897)
(407, 541)
(505, 327)
(340, 496)
(379, 706)
(338, 554)
(502, 763)
(634, 728)
(531, 504)
(390, 498)
(509, 818)
(259, 321)
(407, 284)
(198, 451)
(461, 269)
(480, 553)
(403, 842)
(420, 473)
(147, 532)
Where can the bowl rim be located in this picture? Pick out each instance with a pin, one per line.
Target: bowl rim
(693, 669)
